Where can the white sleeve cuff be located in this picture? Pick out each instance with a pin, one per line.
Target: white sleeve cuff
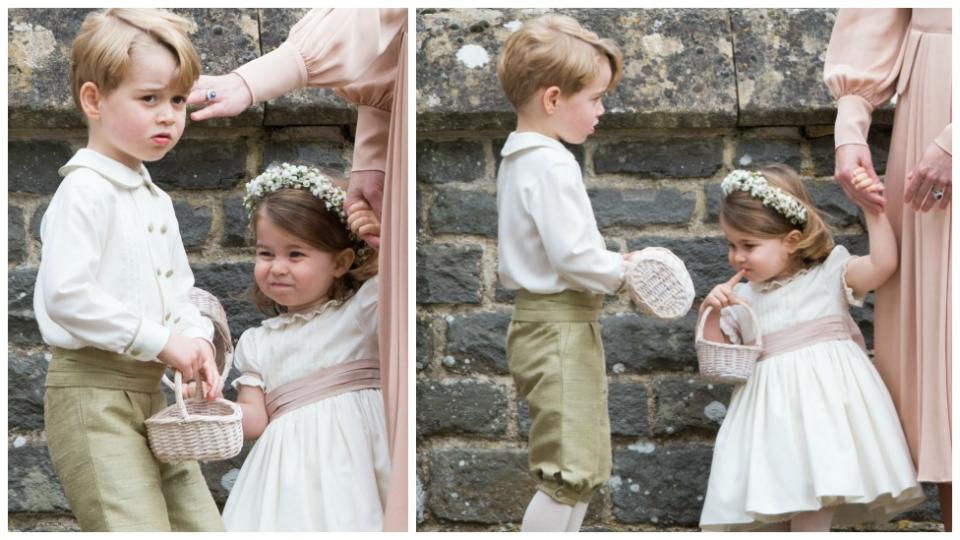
(151, 338)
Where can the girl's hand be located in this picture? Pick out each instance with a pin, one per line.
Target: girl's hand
(232, 96)
(722, 295)
(849, 159)
(366, 186)
(865, 184)
(362, 220)
(930, 181)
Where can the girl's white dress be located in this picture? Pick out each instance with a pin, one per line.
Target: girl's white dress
(812, 427)
(324, 466)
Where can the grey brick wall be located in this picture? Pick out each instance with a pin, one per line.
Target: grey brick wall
(204, 174)
(703, 92)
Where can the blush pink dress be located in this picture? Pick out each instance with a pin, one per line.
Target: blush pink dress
(873, 55)
(362, 54)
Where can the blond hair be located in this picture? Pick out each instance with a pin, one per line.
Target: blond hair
(745, 213)
(101, 52)
(554, 50)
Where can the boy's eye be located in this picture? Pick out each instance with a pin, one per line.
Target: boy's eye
(263, 253)
(296, 254)
(149, 99)
(179, 100)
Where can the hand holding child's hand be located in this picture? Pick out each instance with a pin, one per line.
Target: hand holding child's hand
(362, 220)
(863, 182)
(722, 295)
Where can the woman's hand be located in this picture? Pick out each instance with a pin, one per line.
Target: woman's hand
(849, 159)
(219, 95)
(930, 181)
(722, 295)
(367, 187)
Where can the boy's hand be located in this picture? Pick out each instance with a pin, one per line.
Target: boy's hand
(722, 295)
(208, 373)
(183, 354)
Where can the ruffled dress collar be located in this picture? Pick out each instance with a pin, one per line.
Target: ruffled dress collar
(285, 319)
(774, 284)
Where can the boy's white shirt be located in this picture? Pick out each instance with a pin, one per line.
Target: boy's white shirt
(113, 271)
(548, 239)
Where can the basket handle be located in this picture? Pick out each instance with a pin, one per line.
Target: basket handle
(753, 316)
(177, 387)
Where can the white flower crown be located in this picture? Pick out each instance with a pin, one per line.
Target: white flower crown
(772, 197)
(285, 175)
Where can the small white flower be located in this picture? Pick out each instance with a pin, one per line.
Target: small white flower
(300, 177)
(772, 197)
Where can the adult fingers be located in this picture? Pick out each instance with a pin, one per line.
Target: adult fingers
(374, 195)
(213, 110)
(916, 186)
(198, 94)
(372, 241)
(946, 196)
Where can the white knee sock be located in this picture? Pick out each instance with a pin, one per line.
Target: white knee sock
(546, 515)
(576, 517)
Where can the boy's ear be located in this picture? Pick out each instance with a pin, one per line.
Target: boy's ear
(342, 262)
(792, 241)
(550, 98)
(90, 99)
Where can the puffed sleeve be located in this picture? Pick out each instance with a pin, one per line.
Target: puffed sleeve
(836, 270)
(862, 65)
(355, 51)
(247, 361)
(366, 305)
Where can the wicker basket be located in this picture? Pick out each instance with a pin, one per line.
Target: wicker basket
(659, 284)
(727, 362)
(196, 429)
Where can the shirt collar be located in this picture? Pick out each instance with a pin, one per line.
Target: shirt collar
(518, 141)
(112, 170)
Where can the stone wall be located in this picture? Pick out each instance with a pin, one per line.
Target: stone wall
(704, 91)
(204, 175)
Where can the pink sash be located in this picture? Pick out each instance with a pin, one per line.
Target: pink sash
(800, 335)
(321, 384)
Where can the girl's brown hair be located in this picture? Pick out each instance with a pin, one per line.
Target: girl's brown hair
(741, 211)
(303, 215)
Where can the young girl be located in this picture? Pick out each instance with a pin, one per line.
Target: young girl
(812, 438)
(309, 385)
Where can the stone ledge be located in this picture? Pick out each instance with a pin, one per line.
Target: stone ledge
(463, 45)
(38, 66)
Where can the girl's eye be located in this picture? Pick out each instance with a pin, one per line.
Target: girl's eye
(179, 100)
(263, 254)
(149, 99)
(296, 254)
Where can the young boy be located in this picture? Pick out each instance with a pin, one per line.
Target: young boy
(111, 296)
(555, 74)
